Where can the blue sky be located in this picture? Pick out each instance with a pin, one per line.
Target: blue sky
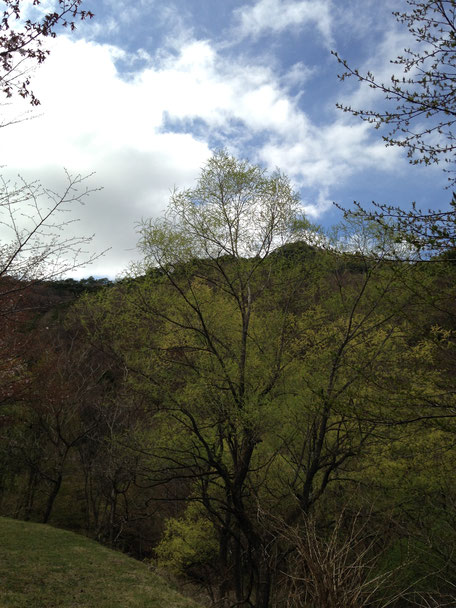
(142, 94)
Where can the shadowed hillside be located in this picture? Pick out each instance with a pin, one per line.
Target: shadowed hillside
(42, 567)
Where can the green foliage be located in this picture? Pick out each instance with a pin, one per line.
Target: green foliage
(189, 543)
(270, 374)
(236, 210)
(253, 379)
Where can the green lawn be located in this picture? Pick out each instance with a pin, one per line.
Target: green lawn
(43, 567)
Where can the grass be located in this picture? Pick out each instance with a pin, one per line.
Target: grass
(43, 567)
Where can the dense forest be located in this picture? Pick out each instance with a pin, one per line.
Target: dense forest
(260, 408)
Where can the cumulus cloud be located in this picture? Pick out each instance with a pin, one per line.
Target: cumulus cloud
(91, 120)
(275, 16)
(147, 133)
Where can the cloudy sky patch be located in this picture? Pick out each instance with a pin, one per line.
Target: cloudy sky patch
(142, 95)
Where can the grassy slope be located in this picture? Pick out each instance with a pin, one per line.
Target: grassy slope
(42, 567)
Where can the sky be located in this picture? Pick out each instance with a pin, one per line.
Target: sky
(142, 95)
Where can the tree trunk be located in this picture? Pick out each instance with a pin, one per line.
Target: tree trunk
(224, 586)
(53, 495)
(30, 496)
(263, 594)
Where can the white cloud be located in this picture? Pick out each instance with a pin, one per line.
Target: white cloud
(267, 16)
(94, 120)
(329, 156)
(297, 75)
(30, 8)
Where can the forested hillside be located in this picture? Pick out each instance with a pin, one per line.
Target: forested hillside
(259, 408)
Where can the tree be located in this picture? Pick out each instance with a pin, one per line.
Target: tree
(34, 245)
(425, 87)
(266, 365)
(21, 46)
(339, 568)
(423, 113)
(214, 348)
(419, 234)
(214, 252)
(53, 406)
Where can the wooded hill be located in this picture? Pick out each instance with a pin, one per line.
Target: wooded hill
(261, 410)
